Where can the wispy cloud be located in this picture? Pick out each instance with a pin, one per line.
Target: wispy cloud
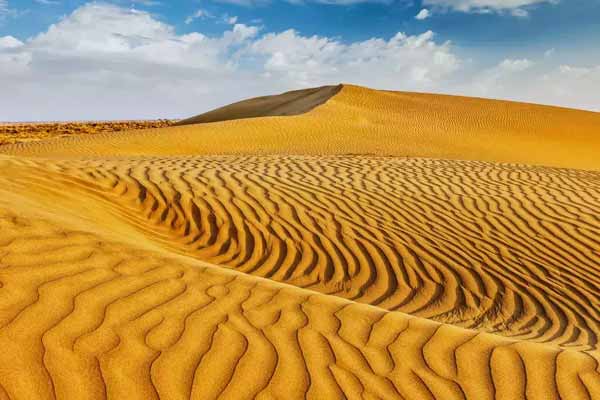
(4, 10)
(517, 8)
(148, 3)
(198, 14)
(48, 2)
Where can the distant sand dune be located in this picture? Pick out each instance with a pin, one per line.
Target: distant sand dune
(363, 121)
(19, 132)
(138, 265)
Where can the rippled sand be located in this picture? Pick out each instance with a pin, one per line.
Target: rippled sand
(151, 273)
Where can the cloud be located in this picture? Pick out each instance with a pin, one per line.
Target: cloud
(10, 42)
(252, 3)
(423, 14)
(48, 2)
(147, 3)
(515, 65)
(104, 61)
(492, 81)
(517, 8)
(344, 2)
(5, 10)
(244, 3)
(198, 14)
(537, 82)
(408, 62)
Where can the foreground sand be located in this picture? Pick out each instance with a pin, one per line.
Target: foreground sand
(294, 276)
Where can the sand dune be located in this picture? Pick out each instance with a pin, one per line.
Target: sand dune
(144, 275)
(363, 121)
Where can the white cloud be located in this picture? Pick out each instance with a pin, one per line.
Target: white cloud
(537, 82)
(413, 62)
(48, 2)
(344, 2)
(519, 12)
(10, 42)
(515, 65)
(147, 3)
(492, 81)
(198, 14)
(4, 10)
(516, 8)
(423, 14)
(251, 3)
(245, 3)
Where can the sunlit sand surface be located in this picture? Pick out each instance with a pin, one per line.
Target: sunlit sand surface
(147, 265)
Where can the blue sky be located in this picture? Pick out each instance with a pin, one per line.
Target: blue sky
(68, 59)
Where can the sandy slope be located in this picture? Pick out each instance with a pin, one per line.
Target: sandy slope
(362, 121)
(294, 276)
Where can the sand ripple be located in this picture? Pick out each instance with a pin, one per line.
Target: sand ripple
(386, 278)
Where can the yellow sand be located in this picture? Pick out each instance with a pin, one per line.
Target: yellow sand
(294, 276)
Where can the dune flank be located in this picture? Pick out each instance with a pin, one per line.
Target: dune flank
(129, 269)
(358, 120)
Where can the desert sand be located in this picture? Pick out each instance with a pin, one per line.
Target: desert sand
(358, 244)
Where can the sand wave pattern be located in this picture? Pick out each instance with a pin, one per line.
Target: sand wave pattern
(297, 277)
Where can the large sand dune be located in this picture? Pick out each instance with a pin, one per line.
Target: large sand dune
(145, 275)
(357, 120)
